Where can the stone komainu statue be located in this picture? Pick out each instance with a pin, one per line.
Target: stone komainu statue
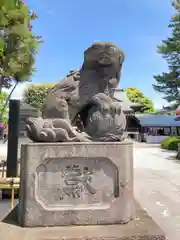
(81, 107)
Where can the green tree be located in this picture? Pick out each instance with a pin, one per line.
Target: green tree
(177, 4)
(18, 44)
(136, 96)
(168, 83)
(35, 94)
(3, 98)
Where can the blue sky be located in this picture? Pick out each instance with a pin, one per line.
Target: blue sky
(68, 27)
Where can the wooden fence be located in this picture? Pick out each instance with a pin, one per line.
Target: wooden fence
(11, 183)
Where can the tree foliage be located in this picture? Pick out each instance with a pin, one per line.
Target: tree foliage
(168, 83)
(3, 97)
(18, 45)
(136, 96)
(35, 94)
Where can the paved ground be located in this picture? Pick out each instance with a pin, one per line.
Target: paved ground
(157, 186)
(5, 208)
(3, 147)
(3, 150)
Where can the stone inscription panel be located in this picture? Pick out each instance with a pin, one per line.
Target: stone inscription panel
(75, 183)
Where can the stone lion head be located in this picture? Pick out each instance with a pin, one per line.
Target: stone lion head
(106, 60)
(103, 54)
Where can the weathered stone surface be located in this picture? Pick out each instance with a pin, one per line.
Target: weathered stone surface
(100, 73)
(86, 97)
(53, 130)
(76, 184)
(141, 228)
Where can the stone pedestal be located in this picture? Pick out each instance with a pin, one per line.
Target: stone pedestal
(76, 184)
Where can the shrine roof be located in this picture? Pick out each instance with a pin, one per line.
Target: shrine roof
(158, 120)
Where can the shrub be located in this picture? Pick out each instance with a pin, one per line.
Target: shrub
(170, 143)
(35, 94)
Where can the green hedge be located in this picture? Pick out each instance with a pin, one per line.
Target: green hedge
(170, 143)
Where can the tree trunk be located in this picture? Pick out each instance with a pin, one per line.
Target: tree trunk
(1, 84)
(7, 100)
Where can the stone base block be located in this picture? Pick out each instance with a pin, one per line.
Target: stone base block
(141, 228)
(76, 184)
